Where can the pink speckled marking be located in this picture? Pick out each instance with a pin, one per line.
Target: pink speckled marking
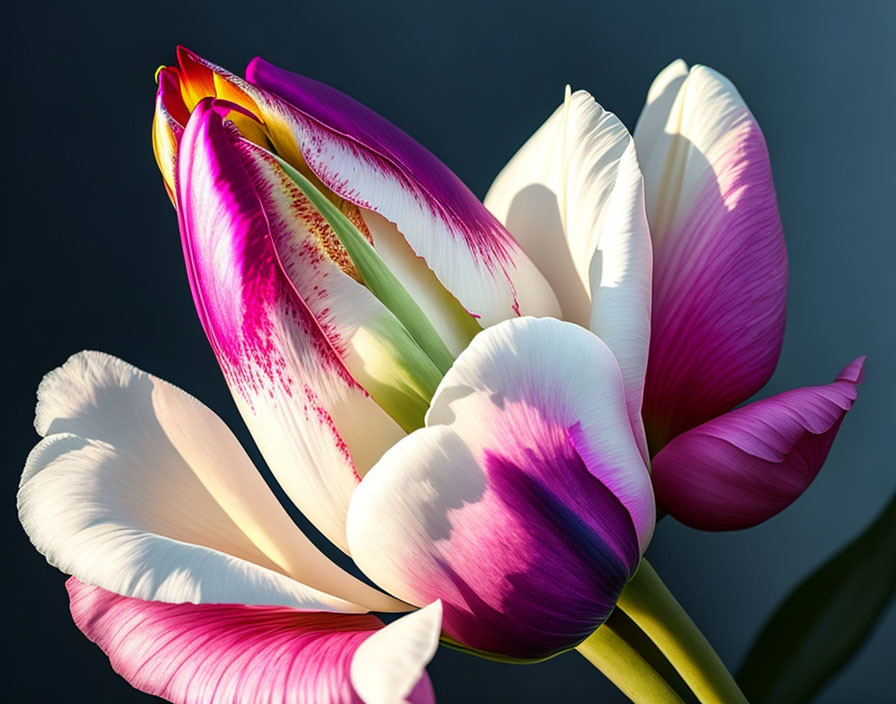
(323, 417)
(240, 291)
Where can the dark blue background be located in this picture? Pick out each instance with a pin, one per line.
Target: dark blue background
(92, 257)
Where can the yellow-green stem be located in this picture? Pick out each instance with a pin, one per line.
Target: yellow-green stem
(648, 603)
(625, 667)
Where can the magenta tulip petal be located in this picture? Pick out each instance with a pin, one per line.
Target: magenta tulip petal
(524, 504)
(371, 163)
(208, 653)
(316, 426)
(743, 467)
(720, 266)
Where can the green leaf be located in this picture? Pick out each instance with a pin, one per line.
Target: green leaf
(376, 275)
(825, 620)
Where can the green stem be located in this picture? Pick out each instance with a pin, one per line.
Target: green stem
(611, 649)
(648, 603)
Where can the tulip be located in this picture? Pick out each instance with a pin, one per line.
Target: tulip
(340, 271)
(396, 350)
(718, 290)
(343, 277)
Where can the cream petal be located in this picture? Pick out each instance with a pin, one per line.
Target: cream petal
(288, 344)
(574, 198)
(389, 665)
(140, 489)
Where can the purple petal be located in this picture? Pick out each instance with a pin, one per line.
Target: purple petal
(524, 505)
(743, 467)
(192, 653)
(371, 163)
(720, 266)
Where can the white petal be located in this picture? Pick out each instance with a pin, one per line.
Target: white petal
(527, 445)
(620, 280)
(660, 97)
(455, 326)
(574, 199)
(140, 489)
(388, 665)
(286, 360)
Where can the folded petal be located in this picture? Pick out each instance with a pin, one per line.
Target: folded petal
(300, 341)
(388, 665)
(142, 490)
(368, 161)
(524, 504)
(574, 199)
(168, 123)
(743, 467)
(208, 653)
(720, 267)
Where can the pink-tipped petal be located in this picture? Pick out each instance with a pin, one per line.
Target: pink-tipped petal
(285, 357)
(371, 163)
(743, 467)
(524, 504)
(231, 653)
(573, 197)
(720, 266)
(140, 489)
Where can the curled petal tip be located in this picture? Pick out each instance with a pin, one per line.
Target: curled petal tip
(389, 667)
(854, 372)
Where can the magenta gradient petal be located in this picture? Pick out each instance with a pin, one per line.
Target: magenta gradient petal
(743, 467)
(524, 504)
(317, 428)
(573, 526)
(368, 161)
(720, 265)
(228, 653)
(346, 117)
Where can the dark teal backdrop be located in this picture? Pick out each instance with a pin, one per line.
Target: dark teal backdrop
(92, 257)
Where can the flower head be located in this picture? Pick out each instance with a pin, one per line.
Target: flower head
(395, 348)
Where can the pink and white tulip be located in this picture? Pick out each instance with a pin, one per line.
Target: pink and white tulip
(292, 327)
(462, 476)
(393, 347)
